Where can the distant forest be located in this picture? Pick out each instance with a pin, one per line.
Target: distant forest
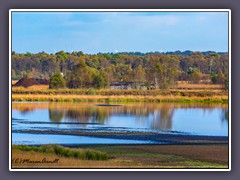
(151, 70)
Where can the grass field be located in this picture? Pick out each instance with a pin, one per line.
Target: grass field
(138, 156)
(183, 93)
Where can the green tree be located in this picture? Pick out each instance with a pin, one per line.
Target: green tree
(221, 79)
(214, 77)
(195, 75)
(98, 81)
(81, 76)
(61, 58)
(101, 79)
(56, 81)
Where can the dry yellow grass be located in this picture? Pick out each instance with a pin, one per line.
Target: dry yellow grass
(31, 88)
(66, 162)
(184, 92)
(115, 98)
(39, 87)
(14, 82)
(186, 85)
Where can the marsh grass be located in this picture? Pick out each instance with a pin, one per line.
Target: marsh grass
(84, 154)
(41, 89)
(186, 93)
(119, 98)
(186, 85)
(14, 82)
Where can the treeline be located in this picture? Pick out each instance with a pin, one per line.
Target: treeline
(150, 70)
(183, 53)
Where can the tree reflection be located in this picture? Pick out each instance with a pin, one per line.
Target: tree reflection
(162, 118)
(225, 115)
(26, 111)
(78, 115)
(140, 115)
(56, 115)
(100, 116)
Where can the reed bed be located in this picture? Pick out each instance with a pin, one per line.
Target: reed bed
(119, 98)
(109, 92)
(183, 93)
(187, 85)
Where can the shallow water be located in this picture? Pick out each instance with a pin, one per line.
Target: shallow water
(191, 119)
(39, 139)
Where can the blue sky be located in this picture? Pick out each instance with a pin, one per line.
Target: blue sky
(93, 32)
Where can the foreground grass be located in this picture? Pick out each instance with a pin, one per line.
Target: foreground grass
(85, 154)
(131, 157)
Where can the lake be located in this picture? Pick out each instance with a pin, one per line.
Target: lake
(70, 123)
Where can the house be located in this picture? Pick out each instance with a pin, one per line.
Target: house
(121, 85)
(26, 82)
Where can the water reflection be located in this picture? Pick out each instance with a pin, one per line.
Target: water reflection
(164, 116)
(225, 115)
(161, 117)
(56, 115)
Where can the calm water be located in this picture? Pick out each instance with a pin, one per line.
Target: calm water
(192, 119)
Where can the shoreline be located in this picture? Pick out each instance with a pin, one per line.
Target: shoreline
(148, 138)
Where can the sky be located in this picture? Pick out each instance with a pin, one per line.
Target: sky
(94, 32)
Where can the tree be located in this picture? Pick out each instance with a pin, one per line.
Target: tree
(162, 70)
(61, 58)
(195, 75)
(221, 79)
(56, 81)
(98, 81)
(81, 76)
(154, 69)
(139, 76)
(214, 77)
(49, 66)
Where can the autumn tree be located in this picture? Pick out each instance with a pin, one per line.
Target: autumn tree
(139, 76)
(162, 71)
(81, 76)
(56, 81)
(61, 58)
(153, 69)
(195, 75)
